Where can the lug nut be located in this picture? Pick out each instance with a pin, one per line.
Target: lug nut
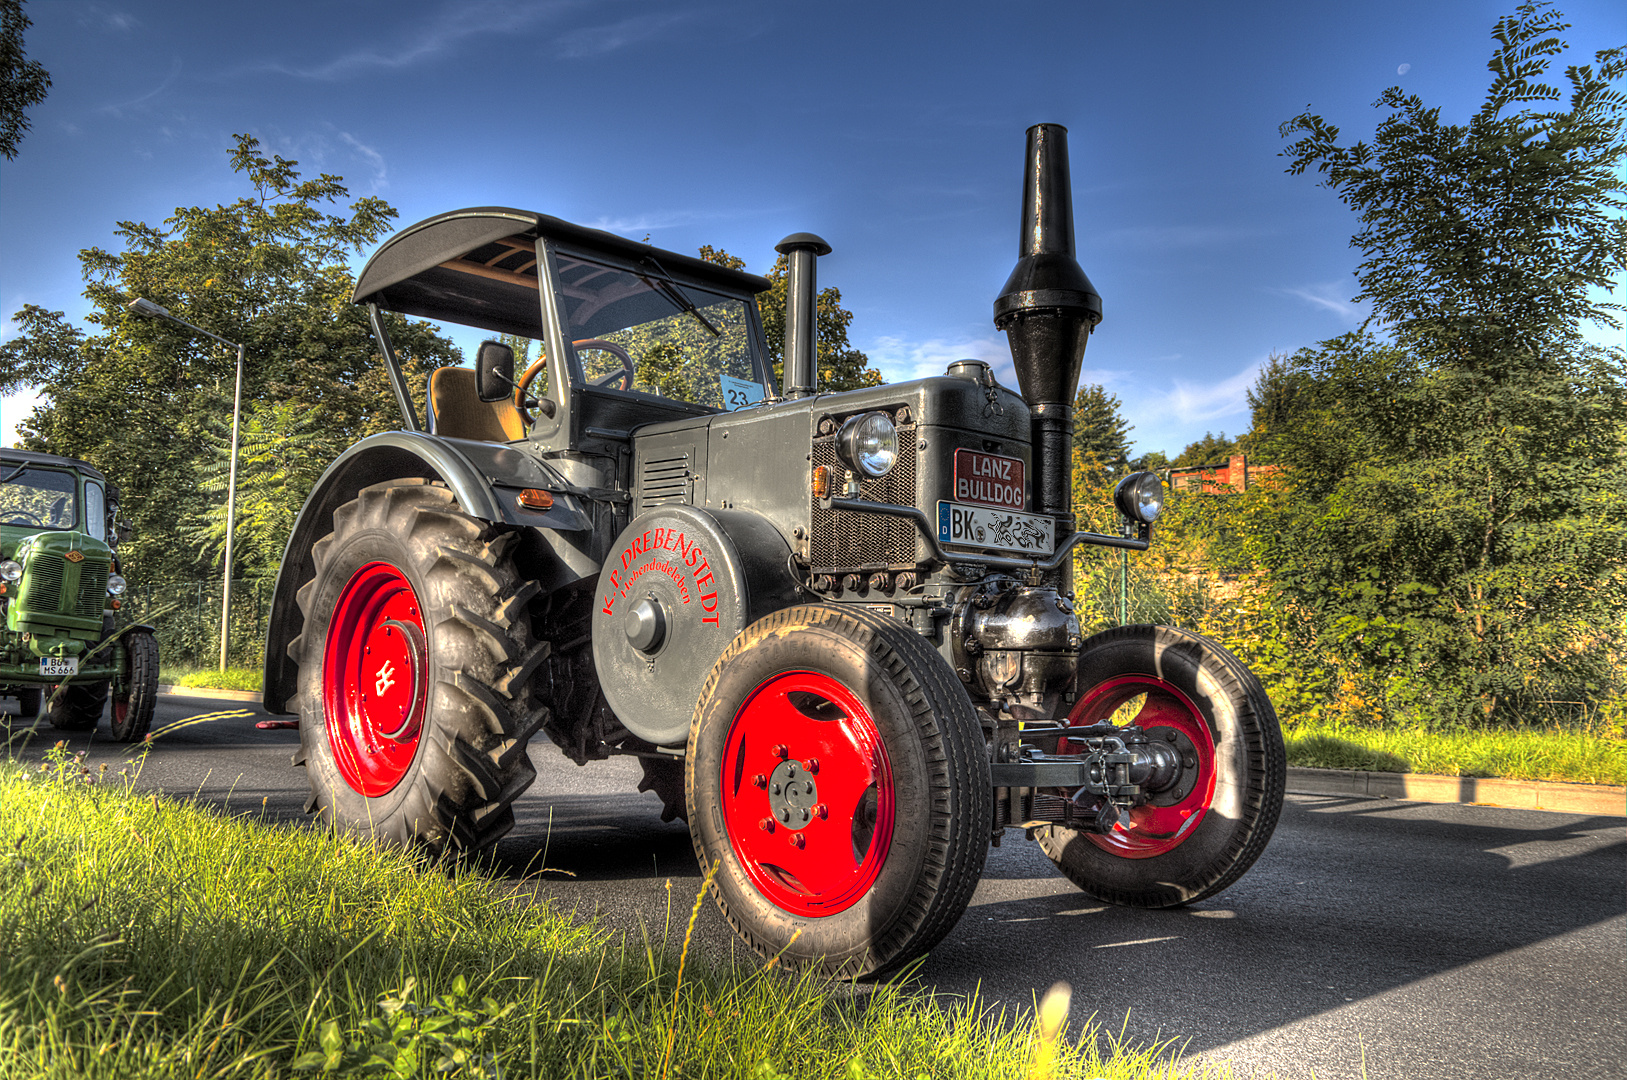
(781, 751)
(798, 841)
(785, 814)
(1169, 735)
(823, 811)
(776, 790)
(759, 780)
(767, 824)
(812, 766)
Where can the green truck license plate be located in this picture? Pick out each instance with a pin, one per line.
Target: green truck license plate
(56, 667)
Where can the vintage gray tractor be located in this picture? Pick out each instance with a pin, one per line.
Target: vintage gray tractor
(837, 628)
(61, 645)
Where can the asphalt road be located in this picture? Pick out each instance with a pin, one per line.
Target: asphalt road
(1403, 939)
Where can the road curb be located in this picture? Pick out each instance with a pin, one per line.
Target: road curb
(210, 693)
(1596, 799)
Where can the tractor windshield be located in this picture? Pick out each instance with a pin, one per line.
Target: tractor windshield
(646, 332)
(38, 498)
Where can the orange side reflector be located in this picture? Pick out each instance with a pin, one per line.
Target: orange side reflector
(821, 482)
(536, 499)
(116, 605)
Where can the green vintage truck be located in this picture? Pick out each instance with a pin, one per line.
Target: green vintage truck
(61, 646)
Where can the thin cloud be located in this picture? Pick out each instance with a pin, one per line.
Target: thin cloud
(641, 224)
(118, 108)
(1328, 297)
(600, 40)
(900, 360)
(453, 25)
(371, 156)
(1194, 402)
(104, 17)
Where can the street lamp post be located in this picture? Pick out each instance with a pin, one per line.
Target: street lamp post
(146, 307)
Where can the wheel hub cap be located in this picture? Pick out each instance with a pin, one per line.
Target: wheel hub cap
(808, 797)
(375, 675)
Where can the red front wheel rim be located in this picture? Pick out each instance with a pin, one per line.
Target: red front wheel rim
(808, 798)
(1154, 830)
(375, 677)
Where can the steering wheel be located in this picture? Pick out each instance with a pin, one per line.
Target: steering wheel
(625, 373)
(13, 519)
(524, 402)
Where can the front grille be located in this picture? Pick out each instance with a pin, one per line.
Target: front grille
(44, 583)
(846, 541)
(46, 592)
(92, 589)
(662, 481)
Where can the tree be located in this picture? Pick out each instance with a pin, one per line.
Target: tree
(1101, 438)
(23, 82)
(148, 402)
(841, 367)
(1457, 465)
(1277, 392)
(1209, 450)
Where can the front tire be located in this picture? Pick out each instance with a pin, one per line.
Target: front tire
(1199, 838)
(136, 696)
(77, 706)
(837, 778)
(415, 668)
(28, 701)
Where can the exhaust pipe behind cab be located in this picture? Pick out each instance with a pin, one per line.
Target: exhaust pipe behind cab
(1048, 309)
(801, 368)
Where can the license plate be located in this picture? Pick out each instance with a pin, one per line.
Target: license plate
(1004, 530)
(57, 666)
(989, 479)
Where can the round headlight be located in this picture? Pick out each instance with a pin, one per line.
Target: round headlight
(869, 443)
(115, 585)
(1140, 497)
(11, 570)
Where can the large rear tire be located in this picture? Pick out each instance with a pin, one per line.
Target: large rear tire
(136, 696)
(837, 778)
(415, 665)
(1197, 839)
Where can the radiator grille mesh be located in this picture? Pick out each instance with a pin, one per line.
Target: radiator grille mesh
(844, 541)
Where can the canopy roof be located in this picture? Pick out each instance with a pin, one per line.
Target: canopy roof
(478, 267)
(13, 457)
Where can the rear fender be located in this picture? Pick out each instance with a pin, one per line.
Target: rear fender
(486, 479)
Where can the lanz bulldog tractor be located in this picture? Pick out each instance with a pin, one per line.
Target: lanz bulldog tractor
(60, 585)
(837, 628)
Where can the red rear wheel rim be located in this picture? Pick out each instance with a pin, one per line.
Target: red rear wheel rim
(1154, 830)
(375, 678)
(808, 798)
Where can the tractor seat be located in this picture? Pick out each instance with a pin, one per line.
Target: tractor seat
(456, 411)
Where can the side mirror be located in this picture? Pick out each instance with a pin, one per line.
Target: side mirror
(123, 529)
(494, 371)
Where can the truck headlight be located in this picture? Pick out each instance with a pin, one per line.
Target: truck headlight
(115, 585)
(868, 443)
(1140, 497)
(11, 570)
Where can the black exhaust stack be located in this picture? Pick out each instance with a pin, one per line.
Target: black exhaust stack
(801, 370)
(1048, 309)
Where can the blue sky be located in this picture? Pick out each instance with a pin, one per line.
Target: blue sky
(895, 131)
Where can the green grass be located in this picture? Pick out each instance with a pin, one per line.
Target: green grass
(237, 678)
(1576, 757)
(142, 937)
